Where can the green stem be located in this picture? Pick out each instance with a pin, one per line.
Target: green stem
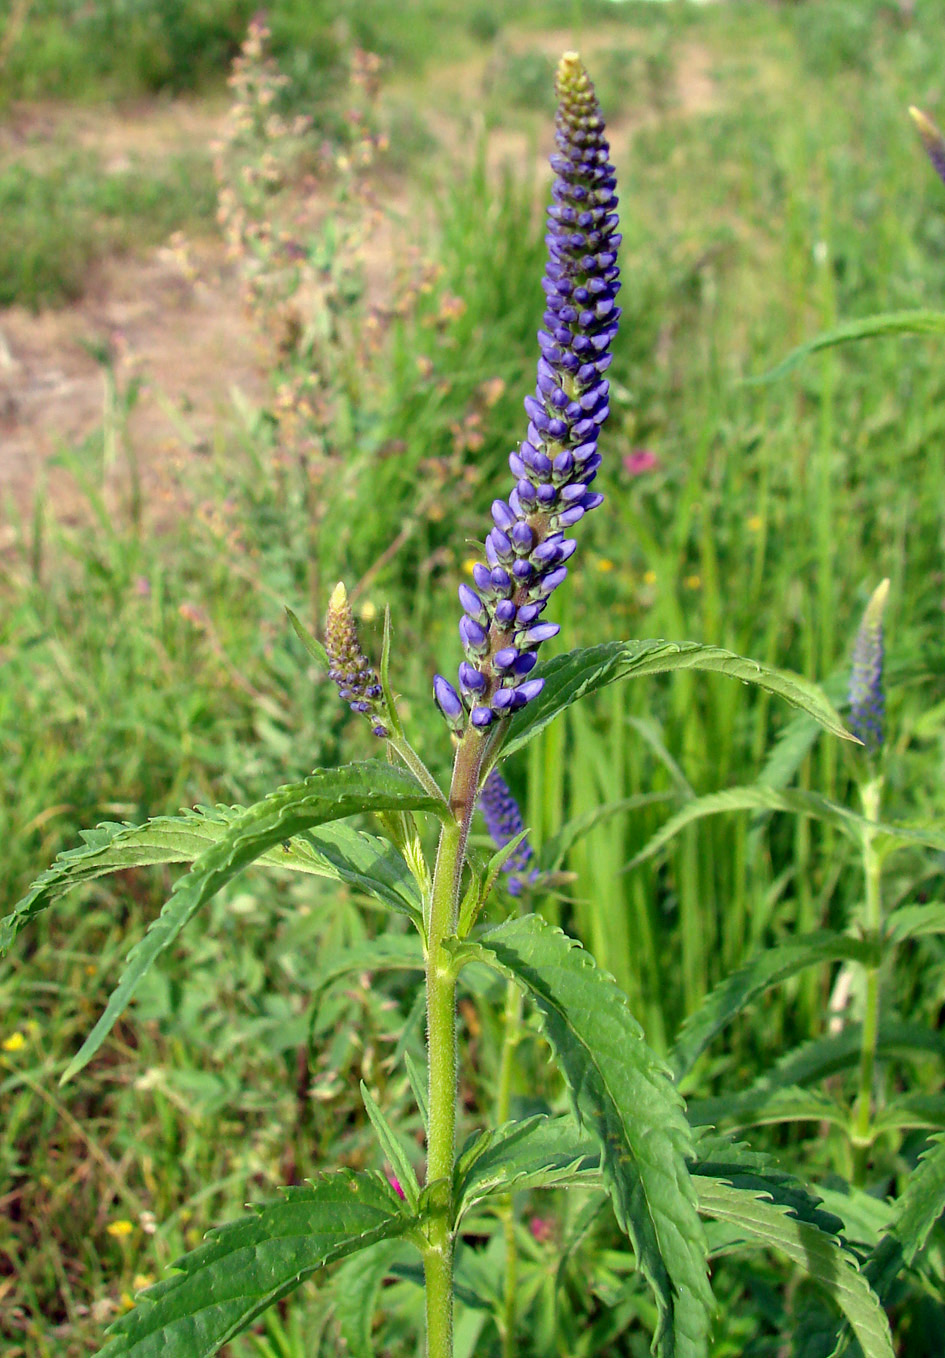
(441, 1028)
(873, 919)
(506, 1207)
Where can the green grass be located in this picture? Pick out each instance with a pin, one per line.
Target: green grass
(801, 197)
(61, 219)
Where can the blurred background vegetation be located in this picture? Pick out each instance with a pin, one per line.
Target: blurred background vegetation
(384, 240)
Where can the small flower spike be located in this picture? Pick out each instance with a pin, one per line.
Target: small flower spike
(554, 467)
(867, 700)
(932, 140)
(504, 821)
(356, 677)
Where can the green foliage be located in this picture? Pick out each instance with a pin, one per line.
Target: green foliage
(247, 1266)
(573, 676)
(754, 1219)
(61, 220)
(623, 1098)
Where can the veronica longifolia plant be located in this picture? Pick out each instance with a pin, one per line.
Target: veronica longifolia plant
(626, 1134)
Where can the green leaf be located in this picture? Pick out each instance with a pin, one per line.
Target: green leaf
(326, 795)
(314, 647)
(868, 327)
(242, 1268)
(417, 1080)
(721, 1157)
(762, 1106)
(759, 797)
(387, 952)
(910, 1112)
(779, 1095)
(622, 1095)
(915, 921)
(554, 850)
(394, 1149)
(917, 1211)
(820, 1255)
(356, 1285)
(336, 851)
(579, 673)
(768, 969)
(536, 1153)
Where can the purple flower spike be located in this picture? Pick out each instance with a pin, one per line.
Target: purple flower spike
(357, 680)
(867, 699)
(504, 823)
(557, 460)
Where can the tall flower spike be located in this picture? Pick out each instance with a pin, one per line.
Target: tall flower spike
(557, 462)
(867, 699)
(351, 670)
(504, 821)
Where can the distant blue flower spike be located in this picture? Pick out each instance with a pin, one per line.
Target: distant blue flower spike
(556, 463)
(932, 140)
(504, 822)
(867, 699)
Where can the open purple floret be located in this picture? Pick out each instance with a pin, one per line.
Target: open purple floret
(556, 464)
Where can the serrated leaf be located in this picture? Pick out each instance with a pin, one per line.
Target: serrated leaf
(623, 1097)
(339, 852)
(820, 1256)
(579, 673)
(721, 1157)
(356, 1286)
(394, 1149)
(242, 1268)
(535, 1153)
(916, 1212)
(915, 921)
(326, 795)
(917, 322)
(768, 969)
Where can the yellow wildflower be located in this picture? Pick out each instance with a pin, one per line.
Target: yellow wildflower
(120, 1229)
(15, 1042)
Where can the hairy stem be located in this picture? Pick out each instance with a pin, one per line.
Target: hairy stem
(441, 1030)
(873, 919)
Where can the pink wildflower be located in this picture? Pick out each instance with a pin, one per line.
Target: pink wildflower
(395, 1184)
(639, 461)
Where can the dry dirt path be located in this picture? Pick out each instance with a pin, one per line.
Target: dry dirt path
(184, 331)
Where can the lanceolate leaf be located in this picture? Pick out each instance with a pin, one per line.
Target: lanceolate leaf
(916, 921)
(720, 1157)
(244, 1267)
(554, 850)
(762, 798)
(536, 1153)
(327, 795)
(573, 676)
(780, 1095)
(356, 1285)
(762, 1106)
(820, 1256)
(337, 851)
(624, 1098)
(869, 327)
(737, 991)
(394, 1148)
(917, 1211)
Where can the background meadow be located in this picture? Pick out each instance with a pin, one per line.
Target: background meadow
(373, 258)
